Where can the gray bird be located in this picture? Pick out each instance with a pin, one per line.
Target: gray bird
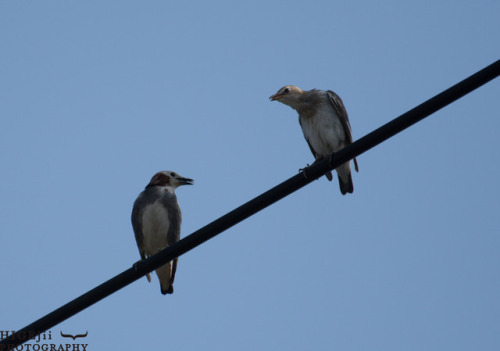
(156, 219)
(325, 125)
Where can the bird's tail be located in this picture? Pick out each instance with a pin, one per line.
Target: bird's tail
(164, 276)
(345, 179)
(346, 187)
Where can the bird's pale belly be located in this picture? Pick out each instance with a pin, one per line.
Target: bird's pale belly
(155, 228)
(323, 137)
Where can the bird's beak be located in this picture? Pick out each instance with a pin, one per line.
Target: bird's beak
(275, 97)
(185, 181)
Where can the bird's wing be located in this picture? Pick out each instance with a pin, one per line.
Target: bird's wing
(339, 107)
(174, 268)
(169, 201)
(308, 143)
(137, 223)
(139, 204)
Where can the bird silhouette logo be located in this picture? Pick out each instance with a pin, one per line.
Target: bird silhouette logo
(76, 336)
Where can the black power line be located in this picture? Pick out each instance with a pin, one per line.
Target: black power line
(253, 206)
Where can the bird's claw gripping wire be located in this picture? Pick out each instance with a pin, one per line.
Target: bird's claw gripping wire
(135, 266)
(303, 170)
(332, 155)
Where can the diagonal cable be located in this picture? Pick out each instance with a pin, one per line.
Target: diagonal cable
(253, 206)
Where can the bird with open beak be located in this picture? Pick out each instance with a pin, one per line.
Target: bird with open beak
(325, 126)
(156, 219)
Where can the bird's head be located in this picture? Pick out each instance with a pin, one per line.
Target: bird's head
(169, 179)
(289, 95)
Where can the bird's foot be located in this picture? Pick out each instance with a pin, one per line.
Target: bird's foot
(135, 266)
(303, 170)
(330, 159)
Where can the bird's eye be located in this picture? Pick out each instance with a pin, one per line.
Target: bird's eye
(286, 90)
(172, 174)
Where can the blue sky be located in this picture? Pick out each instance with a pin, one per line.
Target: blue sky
(96, 97)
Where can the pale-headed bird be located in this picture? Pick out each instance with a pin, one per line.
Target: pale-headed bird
(156, 219)
(325, 125)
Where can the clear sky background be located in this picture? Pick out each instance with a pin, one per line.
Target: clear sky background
(95, 97)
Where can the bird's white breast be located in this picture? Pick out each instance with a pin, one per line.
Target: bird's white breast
(324, 131)
(155, 226)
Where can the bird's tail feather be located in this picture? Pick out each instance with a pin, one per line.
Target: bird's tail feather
(329, 176)
(346, 186)
(164, 275)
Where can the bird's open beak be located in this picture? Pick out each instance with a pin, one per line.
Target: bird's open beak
(275, 97)
(185, 181)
